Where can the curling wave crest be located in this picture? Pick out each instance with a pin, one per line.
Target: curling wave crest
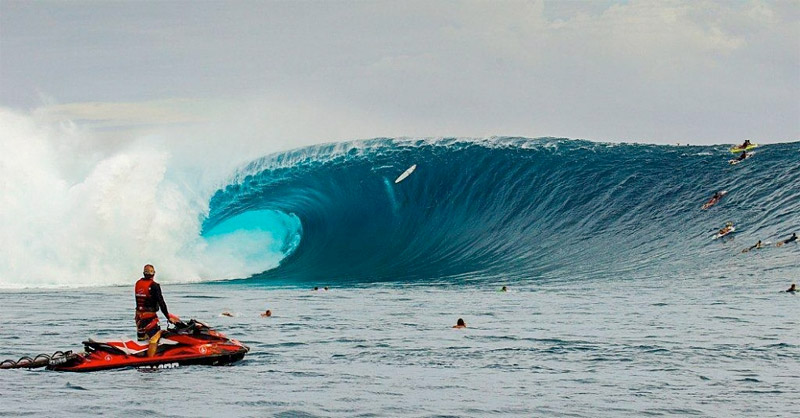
(512, 209)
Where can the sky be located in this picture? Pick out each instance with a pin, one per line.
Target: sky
(300, 72)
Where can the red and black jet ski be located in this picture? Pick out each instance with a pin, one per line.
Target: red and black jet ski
(190, 342)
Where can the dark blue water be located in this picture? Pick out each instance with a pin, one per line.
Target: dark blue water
(515, 209)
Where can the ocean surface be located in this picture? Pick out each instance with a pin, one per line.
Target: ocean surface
(620, 303)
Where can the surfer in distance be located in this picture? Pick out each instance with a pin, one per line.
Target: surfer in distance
(792, 288)
(754, 247)
(460, 324)
(744, 155)
(714, 199)
(793, 238)
(726, 229)
(745, 144)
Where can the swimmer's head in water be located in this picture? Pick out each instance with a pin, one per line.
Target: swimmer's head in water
(461, 323)
(149, 271)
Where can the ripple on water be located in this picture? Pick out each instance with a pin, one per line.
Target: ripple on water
(295, 414)
(571, 361)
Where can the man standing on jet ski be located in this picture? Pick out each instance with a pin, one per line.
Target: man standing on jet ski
(148, 301)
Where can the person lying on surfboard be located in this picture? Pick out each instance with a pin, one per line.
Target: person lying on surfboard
(793, 238)
(745, 144)
(727, 228)
(792, 288)
(714, 200)
(742, 156)
(755, 247)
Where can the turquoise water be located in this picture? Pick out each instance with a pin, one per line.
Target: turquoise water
(672, 346)
(515, 208)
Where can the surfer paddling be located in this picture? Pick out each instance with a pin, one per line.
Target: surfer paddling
(758, 246)
(714, 199)
(727, 229)
(793, 238)
(792, 288)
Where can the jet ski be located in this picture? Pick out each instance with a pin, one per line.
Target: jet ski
(738, 148)
(186, 343)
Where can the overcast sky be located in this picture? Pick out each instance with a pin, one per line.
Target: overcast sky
(663, 72)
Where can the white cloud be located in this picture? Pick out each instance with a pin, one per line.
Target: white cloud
(122, 114)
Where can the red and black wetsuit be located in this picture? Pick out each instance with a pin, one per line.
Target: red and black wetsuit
(148, 300)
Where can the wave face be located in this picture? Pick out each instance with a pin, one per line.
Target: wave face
(511, 209)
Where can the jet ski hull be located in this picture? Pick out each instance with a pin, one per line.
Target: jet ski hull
(193, 344)
(105, 361)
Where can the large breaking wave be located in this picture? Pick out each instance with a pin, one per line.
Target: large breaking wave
(78, 211)
(510, 209)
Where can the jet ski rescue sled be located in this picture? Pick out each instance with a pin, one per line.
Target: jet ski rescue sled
(186, 343)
